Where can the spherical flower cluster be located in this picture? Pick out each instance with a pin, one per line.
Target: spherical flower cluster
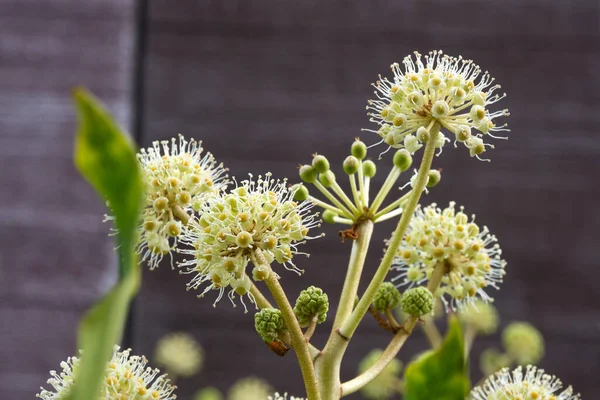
(284, 396)
(385, 384)
(125, 377)
(208, 393)
(470, 255)
(523, 342)
(533, 384)
(448, 90)
(481, 316)
(256, 222)
(178, 179)
(179, 353)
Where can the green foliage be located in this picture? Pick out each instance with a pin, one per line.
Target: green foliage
(439, 374)
(106, 158)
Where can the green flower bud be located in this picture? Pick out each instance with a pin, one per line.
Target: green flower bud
(423, 134)
(384, 385)
(328, 216)
(358, 149)
(402, 160)
(417, 301)
(434, 178)
(308, 174)
(369, 168)
(320, 163)
(209, 393)
(300, 192)
(268, 322)
(492, 361)
(481, 315)
(523, 342)
(387, 297)
(327, 178)
(311, 302)
(260, 273)
(350, 165)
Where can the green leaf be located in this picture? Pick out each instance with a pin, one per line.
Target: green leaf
(105, 156)
(440, 374)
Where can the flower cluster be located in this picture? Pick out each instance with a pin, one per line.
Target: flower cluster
(250, 388)
(256, 222)
(178, 179)
(469, 254)
(125, 377)
(481, 316)
(179, 353)
(441, 89)
(534, 384)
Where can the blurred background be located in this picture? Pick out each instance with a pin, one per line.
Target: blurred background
(264, 84)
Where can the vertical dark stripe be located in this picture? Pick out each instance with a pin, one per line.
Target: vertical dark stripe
(138, 92)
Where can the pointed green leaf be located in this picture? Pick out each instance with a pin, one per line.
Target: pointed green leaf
(105, 156)
(440, 374)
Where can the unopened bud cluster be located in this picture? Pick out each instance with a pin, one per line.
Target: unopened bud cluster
(436, 89)
(387, 297)
(312, 304)
(268, 323)
(417, 301)
(469, 255)
(125, 377)
(257, 222)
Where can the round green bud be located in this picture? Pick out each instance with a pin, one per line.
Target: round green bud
(300, 192)
(369, 168)
(328, 216)
(417, 301)
(492, 361)
(480, 315)
(327, 178)
(308, 174)
(209, 393)
(402, 160)
(358, 149)
(350, 165)
(243, 239)
(260, 273)
(311, 303)
(387, 297)
(423, 134)
(434, 176)
(320, 163)
(268, 322)
(523, 342)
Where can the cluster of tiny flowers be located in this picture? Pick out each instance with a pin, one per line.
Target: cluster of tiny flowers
(178, 179)
(256, 222)
(448, 90)
(284, 396)
(179, 353)
(470, 255)
(250, 388)
(125, 377)
(534, 384)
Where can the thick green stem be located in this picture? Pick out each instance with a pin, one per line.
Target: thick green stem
(299, 343)
(350, 325)
(360, 248)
